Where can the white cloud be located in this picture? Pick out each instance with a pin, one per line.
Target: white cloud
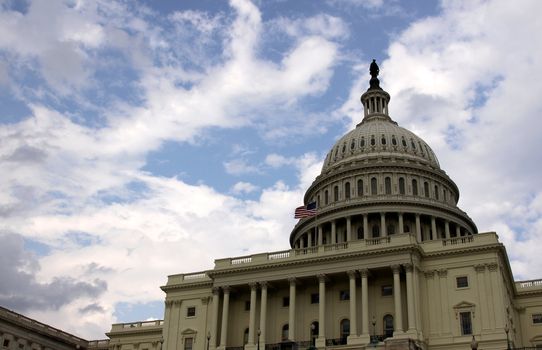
(243, 187)
(240, 167)
(322, 25)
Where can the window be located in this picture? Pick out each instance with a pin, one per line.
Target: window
(247, 305)
(345, 330)
(402, 185)
(6, 343)
(537, 318)
(188, 343)
(336, 193)
(403, 142)
(191, 311)
(387, 182)
(360, 187)
(285, 301)
(387, 291)
(393, 141)
(466, 323)
(315, 298)
(388, 326)
(436, 192)
(383, 140)
(414, 187)
(353, 144)
(284, 334)
(373, 186)
(347, 190)
(376, 231)
(344, 295)
(373, 142)
(362, 142)
(391, 229)
(462, 282)
(426, 188)
(326, 197)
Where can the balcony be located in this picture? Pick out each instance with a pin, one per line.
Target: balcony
(529, 286)
(137, 326)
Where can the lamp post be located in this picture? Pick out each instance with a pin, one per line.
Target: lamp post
(259, 333)
(473, 344)
(507, 329)
(374, 331)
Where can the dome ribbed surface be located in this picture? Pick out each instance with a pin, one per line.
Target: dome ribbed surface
(379, 137)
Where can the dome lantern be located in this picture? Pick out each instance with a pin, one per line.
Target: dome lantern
(375, 100)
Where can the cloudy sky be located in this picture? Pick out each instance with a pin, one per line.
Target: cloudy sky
(141, 139)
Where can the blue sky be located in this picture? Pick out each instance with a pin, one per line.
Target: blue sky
(145, 138)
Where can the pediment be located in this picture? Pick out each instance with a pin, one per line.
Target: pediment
(464, 305)
(187, 331)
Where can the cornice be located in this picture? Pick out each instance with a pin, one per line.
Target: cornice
(171, 287)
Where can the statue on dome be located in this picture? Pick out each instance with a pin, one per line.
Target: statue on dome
(374, 83)
(373, 69)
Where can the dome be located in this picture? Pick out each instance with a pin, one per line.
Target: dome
(378, 137)
(379, 180)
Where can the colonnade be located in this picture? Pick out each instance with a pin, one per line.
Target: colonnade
(364, 335)
(437, 228)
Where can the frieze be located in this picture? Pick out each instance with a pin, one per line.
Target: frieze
(493, 266)
(480, 267)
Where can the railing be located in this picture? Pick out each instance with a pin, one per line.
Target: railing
(278, 255)
(336, 246)
(531, 283)
(242, 260)
(458, 240)
(140, 324)
(379, 240)
(304, 251)
(194, 276)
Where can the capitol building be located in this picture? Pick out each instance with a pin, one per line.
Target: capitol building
(382, 257)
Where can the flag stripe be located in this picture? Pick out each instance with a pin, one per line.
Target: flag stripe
(305, 211)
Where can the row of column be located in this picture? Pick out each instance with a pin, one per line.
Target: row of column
(322, 279)
(383, 229)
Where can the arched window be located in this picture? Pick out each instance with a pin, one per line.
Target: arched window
(383, 140)
(373, 142)
(402, 185)
(373, 186)
(326, 197)
(388, 326)
(345, 330)
(445, 194)
(336, 193)
(360, 232)
(414, 187)
(362, 142)
(347, 190)
(284, 335)
(376, 231)
(393, 141)
(426, 188)
(353, 144)
(436, 192)
(245, 336)
(360, 188)
(387, 182)
(403, 141)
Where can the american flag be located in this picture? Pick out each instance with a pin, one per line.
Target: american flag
(305, 211)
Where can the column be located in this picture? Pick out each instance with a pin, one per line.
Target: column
(320, 235)
(443, 273)
(252, 313)
(434, 227)
(401, 224)
(214, 317)
(366, 226)
(348, 228)
(333, 232)
(447, 229)
(263, 312)
(301, 242)
(322, 308)
(364, 303)
(225, 309)
(410, 297)
(353, 314)
(309, 239)
(383, 229)
(291, 309)
(497, 295)
(457, 231)
(397, 299)
(418, 228)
